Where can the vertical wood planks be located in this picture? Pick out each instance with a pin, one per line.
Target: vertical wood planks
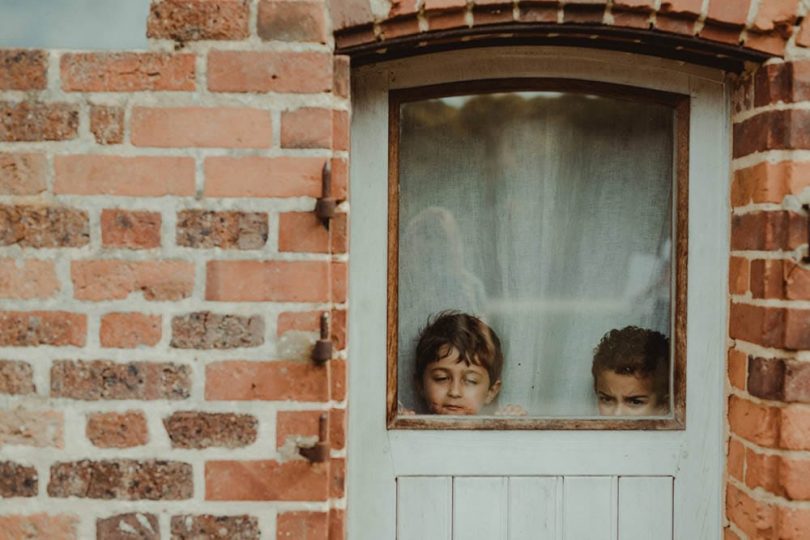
(424, 508)
(589, 508)
(645, 508)
(480, 509)
(535, 508)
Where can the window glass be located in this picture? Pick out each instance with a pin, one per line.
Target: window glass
(547, 216)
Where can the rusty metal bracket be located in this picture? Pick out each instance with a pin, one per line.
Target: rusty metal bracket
(320, 452)
(326, 206)
(322, 352)
(806, 258)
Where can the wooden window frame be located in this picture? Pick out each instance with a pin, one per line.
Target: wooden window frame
(680, 105)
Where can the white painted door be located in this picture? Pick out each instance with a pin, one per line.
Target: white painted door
(572, 485)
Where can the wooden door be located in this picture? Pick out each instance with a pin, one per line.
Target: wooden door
(545, 484)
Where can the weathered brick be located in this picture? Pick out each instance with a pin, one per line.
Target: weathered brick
(776, 15)
(349, 13)
(269, 71)
(306, 128)
(274, 281)
(738, 275)
(776, 82)
(270, 381)
(27, 278)
(201, 127)
(196, 527)
(43, 226)
(127, 72)
(337, 478)
(767, 278)
(129, 330)
(35, 328)
(17, 480)
(341, 68)
(766, 378)
(194, 429)
(40, 526)
(302, 526)
(754, 422)
(29, 121)
(226, 230)
(771, 43)
(735, 460)
(756, 519)
(206, 330)
(803, 35)
(797, 329)
(303, 232)
(295, 480)
(795, 427)
(263, 177)
(337, 524)
(756, 324)
(16, 378)
(572, 13)
(762, 471)
(737, 368)
(793, 475)
(796, 381)
(124, 479)
(337, 370)
(128, 527)
(772, 130)
(117, 430)
(796, 281)
(306, 424)
(310, 321)
(690, 8)
(109, 279)
(22, 69)
(768, 231)
(143, 176)
(793, 523)
(729, 12)
(23, 174)
(130, 229)
(107, 124)
(106, 380)
(32, 427)
(303, 21)
(192, 20)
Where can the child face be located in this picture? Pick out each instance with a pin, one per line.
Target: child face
(627, 395)
(453, 387)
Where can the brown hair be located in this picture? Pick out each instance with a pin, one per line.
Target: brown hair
(475, 342)
(634, 351)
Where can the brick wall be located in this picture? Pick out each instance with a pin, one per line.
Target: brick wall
(162, 276)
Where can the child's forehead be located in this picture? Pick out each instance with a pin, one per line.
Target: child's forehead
(608, 379)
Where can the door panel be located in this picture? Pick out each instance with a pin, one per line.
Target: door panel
(645, 508)
(480, 508)
(534, 508)
(424, 508)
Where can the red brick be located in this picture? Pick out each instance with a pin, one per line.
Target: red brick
(40, 526)
(274, 281)
(754, 422)
(43, 226)
(728, 534)
(772, 130)
(389, 29)
(191, 527)
(267, 381)
(303, 232)
(106, 380)
(350, 13)
(194, 429)
(738, 275)
(724, 34)
(128, 526)
(767, 279)
(201, 127)
(27, 278)
(771, 182)
(107, 124)
(796, 281)
(773, 83)
(206, 330)
(631, 19)
(676, 24)
(127, 72)
(737, 368)
(295, 480)
(337, 524)
(797, 329)
(32, 427)
(269, 71)
(306, 128)
(306, 424)
(143, 176)
(640, 5)
(793, 475)
(194, 20)
(22, 69)
(302, 526)
(779, 15)
(129, 330)
(803, 37)
(797, 381)
(130, 229)
(33, 121)
(302, 21)
(771, 43)
(17, 480)
(337, 480)
(756, 519)
(16, 378)
(735, 461)
(226, 230)
(681, 7)
(770, 231)
(22, 174)
(263, 177)
(111, 279)
(123, 479)
(756, 324)
(117, 430)
(447, 20)
(584, 13)
(762, 471)
(341, 68)
(309, 321)
(338, 377)
(730, 12)
(795, 427)
(341, 128)
(793, 523)
(36, 328)
(340, 179)
(766, 378)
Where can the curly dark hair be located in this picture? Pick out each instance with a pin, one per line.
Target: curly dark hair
(475, 342)
(634, 351)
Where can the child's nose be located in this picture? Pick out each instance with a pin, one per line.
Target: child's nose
(455, 388)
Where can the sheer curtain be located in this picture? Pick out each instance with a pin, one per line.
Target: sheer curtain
(548, 215)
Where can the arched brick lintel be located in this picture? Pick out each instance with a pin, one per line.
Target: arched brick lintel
(720, 33)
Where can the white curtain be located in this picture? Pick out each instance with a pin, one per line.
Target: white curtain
(548, 215)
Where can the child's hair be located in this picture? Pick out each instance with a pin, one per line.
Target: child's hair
(475, 342)
(634, 351)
